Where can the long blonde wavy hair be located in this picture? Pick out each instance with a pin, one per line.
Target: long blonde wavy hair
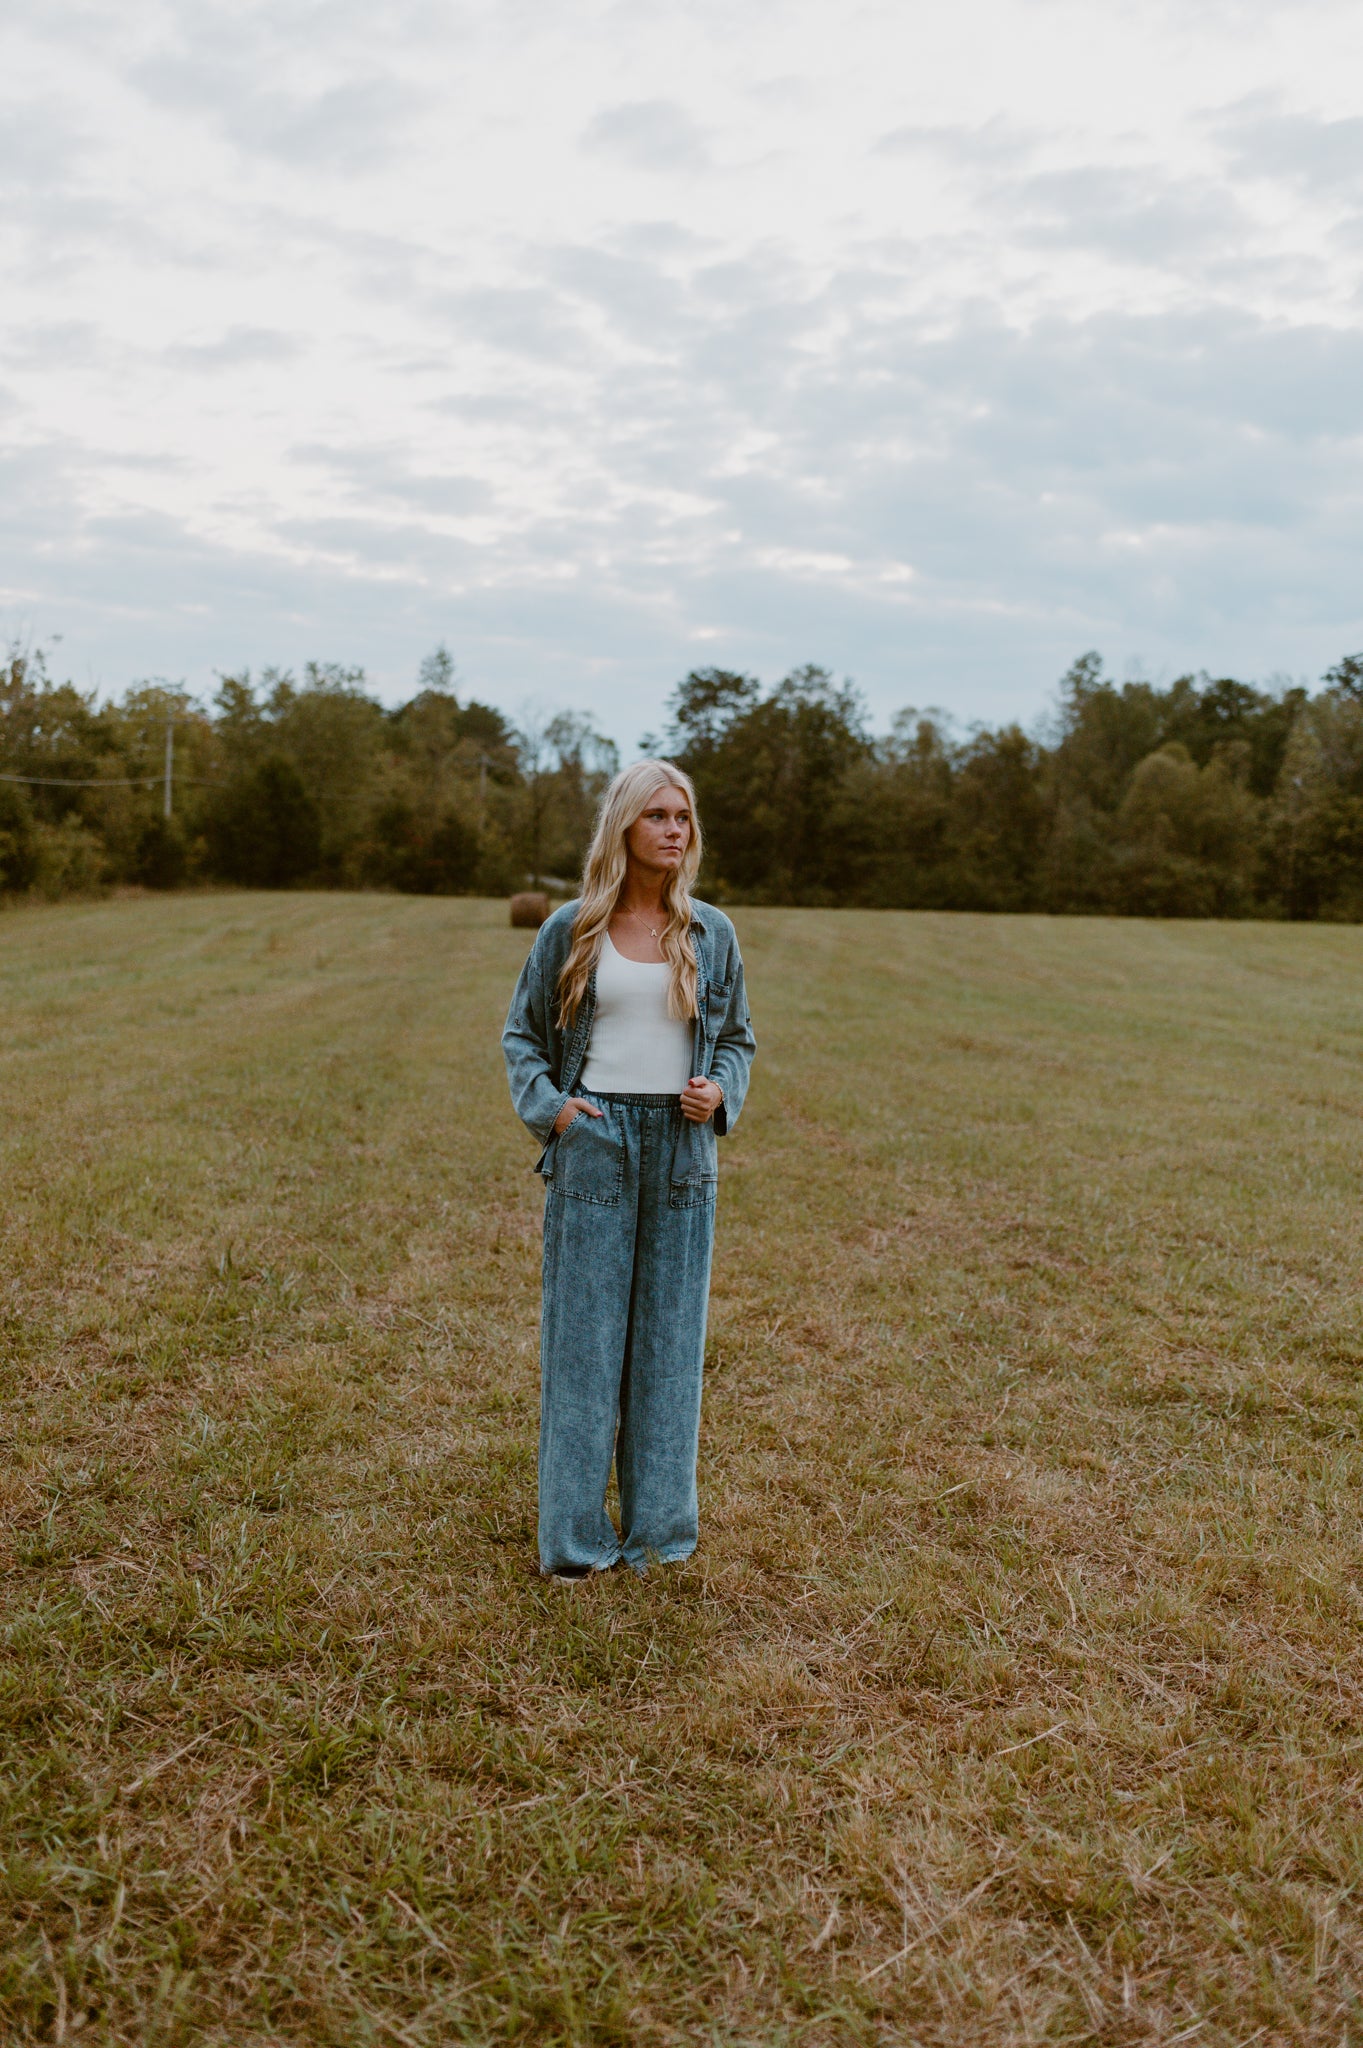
(603, 877)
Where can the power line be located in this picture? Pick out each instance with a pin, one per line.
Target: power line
(95, 782)
(114, 781)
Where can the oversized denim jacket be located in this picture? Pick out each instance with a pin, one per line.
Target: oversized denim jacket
(543, 1063)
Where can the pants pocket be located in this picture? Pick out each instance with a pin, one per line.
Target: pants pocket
(695, 1168)
(589, 1161)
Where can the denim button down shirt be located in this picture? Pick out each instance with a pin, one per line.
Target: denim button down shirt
(543, 1063)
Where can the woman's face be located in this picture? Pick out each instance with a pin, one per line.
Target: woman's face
(658, 838)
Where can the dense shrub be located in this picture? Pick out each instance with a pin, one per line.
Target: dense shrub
(69, 860)
(18, 859)
(162, 856)
(438, 858)
(263, 829)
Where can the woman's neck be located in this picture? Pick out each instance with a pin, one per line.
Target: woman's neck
(641, 896)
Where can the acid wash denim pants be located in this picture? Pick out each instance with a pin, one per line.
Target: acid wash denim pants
(622, 1339)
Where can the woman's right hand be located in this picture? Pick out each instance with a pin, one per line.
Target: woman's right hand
(574, 1106)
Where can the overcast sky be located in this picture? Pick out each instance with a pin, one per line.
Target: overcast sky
(933, 343)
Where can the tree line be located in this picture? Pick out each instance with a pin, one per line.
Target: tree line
(1203, 797)
(286, 781)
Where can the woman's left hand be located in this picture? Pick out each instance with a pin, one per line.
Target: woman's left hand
(700, 1099)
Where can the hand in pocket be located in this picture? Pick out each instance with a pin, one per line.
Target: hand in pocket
(574, 1106)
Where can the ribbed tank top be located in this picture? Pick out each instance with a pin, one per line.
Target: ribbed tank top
(635, 1047)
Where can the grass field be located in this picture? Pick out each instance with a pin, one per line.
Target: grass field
(1015, 1693)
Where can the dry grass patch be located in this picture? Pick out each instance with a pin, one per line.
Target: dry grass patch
(1014, 1695)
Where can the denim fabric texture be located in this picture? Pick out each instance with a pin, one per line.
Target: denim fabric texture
(622, 1338)
(628, 1230)
(543, 1063)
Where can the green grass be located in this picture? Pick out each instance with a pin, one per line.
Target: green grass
(1015, 1692)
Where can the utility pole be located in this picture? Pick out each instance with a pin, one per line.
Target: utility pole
(170, 761)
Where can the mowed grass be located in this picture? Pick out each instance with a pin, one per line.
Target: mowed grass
(1015, 1692)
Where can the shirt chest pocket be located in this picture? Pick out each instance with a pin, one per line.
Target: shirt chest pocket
(716, 1007)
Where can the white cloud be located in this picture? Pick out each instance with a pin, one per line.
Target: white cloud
(1323, 157)
(652, 135)
(931, 344)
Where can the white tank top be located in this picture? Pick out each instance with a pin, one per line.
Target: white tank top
(635, 1047)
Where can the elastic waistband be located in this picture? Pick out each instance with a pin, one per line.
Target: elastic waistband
(634, 1101)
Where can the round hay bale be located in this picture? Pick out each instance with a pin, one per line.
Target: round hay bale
(529, 909)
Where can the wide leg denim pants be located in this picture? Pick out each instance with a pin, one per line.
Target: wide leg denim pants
(622, 1339)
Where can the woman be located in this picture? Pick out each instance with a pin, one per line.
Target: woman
(627, 1047)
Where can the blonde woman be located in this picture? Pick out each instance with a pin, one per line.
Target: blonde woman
(627, 1048)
